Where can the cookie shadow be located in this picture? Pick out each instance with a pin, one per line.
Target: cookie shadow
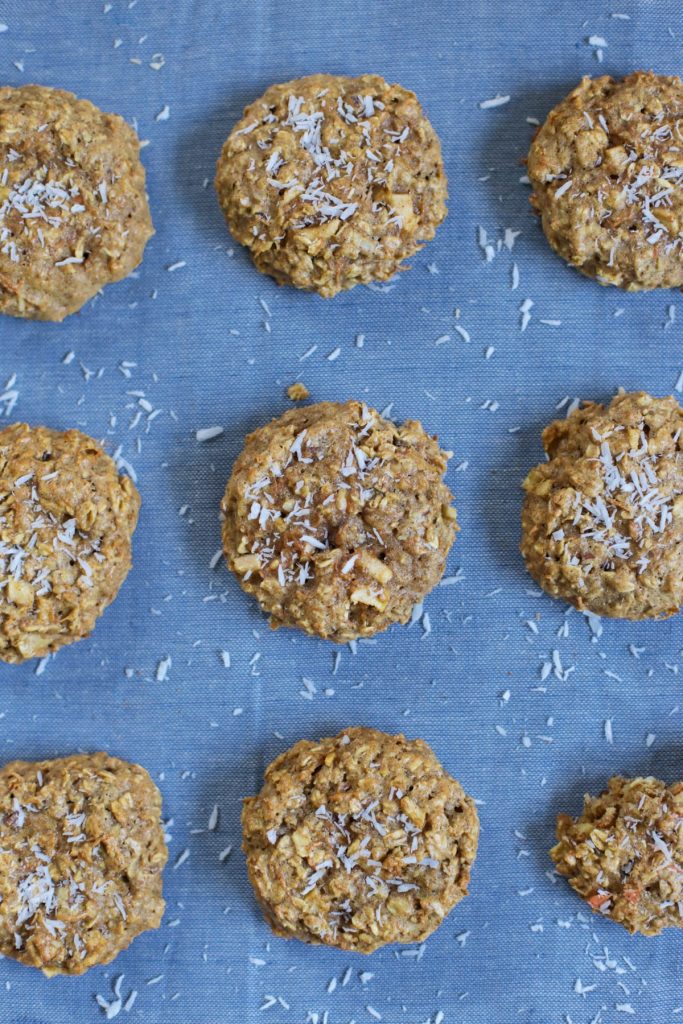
(502, 494)
(242, 777)
(196, 154)
(506, 476)
(503, 156)
(198, 473)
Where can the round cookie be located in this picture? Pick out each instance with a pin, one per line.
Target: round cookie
(73, 208)
(624, 854)
(359, 840)
(332, 181)
(606, 170)
(602, 523)
(337, 520)
(66, 522)
(81, 854)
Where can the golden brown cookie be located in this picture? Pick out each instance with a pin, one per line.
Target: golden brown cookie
(81, 854)
(332, 181)
(66, 522)
(602, 523)
(337, 520)
(359, 840)
(606, 169)
(624, 853)
(73, 208)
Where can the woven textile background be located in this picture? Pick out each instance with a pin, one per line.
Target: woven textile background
(213, 343)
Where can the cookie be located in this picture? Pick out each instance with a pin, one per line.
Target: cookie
(332, 181)
(66, 522)
(602, 523)
(73, 208)
(624, 854)
(606, 169)
(359, 840)
(337, 520)
(81, 854)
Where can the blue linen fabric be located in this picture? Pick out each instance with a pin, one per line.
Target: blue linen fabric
(213, 343)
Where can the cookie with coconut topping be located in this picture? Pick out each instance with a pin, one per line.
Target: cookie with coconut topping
(337, 520)
(359, 840)
(73, 209)
(607, 174)
(81, 855)
(624, 853)
(66, 522)
(602, 523)
(332, 181)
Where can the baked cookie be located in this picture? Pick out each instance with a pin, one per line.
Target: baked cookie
(624, 854)
(359, 840)
(81, 854)
(73, 208)
(337, 520)
(602, 523)
(606, 170)
(332, 181)
(66, 522)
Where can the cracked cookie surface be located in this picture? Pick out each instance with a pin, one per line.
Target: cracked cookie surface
(66, 522)
(332, 181)
(624, 853)
(607, 173)
(73, 208)
(81, 855)
(359, 840)
(337, 520)
(602, 521)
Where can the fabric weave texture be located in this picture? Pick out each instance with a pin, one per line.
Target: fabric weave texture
(213, 343)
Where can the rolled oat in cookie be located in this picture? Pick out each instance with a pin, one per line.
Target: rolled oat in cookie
(81, 855)
(332, 181)
(359, 840)
(337, 520)
(66, 522)
(73, 209)
(624, 853)
(607, 173)
(602, 522)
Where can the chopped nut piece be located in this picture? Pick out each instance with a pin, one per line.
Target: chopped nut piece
(376, 568)
(372, 598)
(20, 592)
(298, 392)
(246, 563)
